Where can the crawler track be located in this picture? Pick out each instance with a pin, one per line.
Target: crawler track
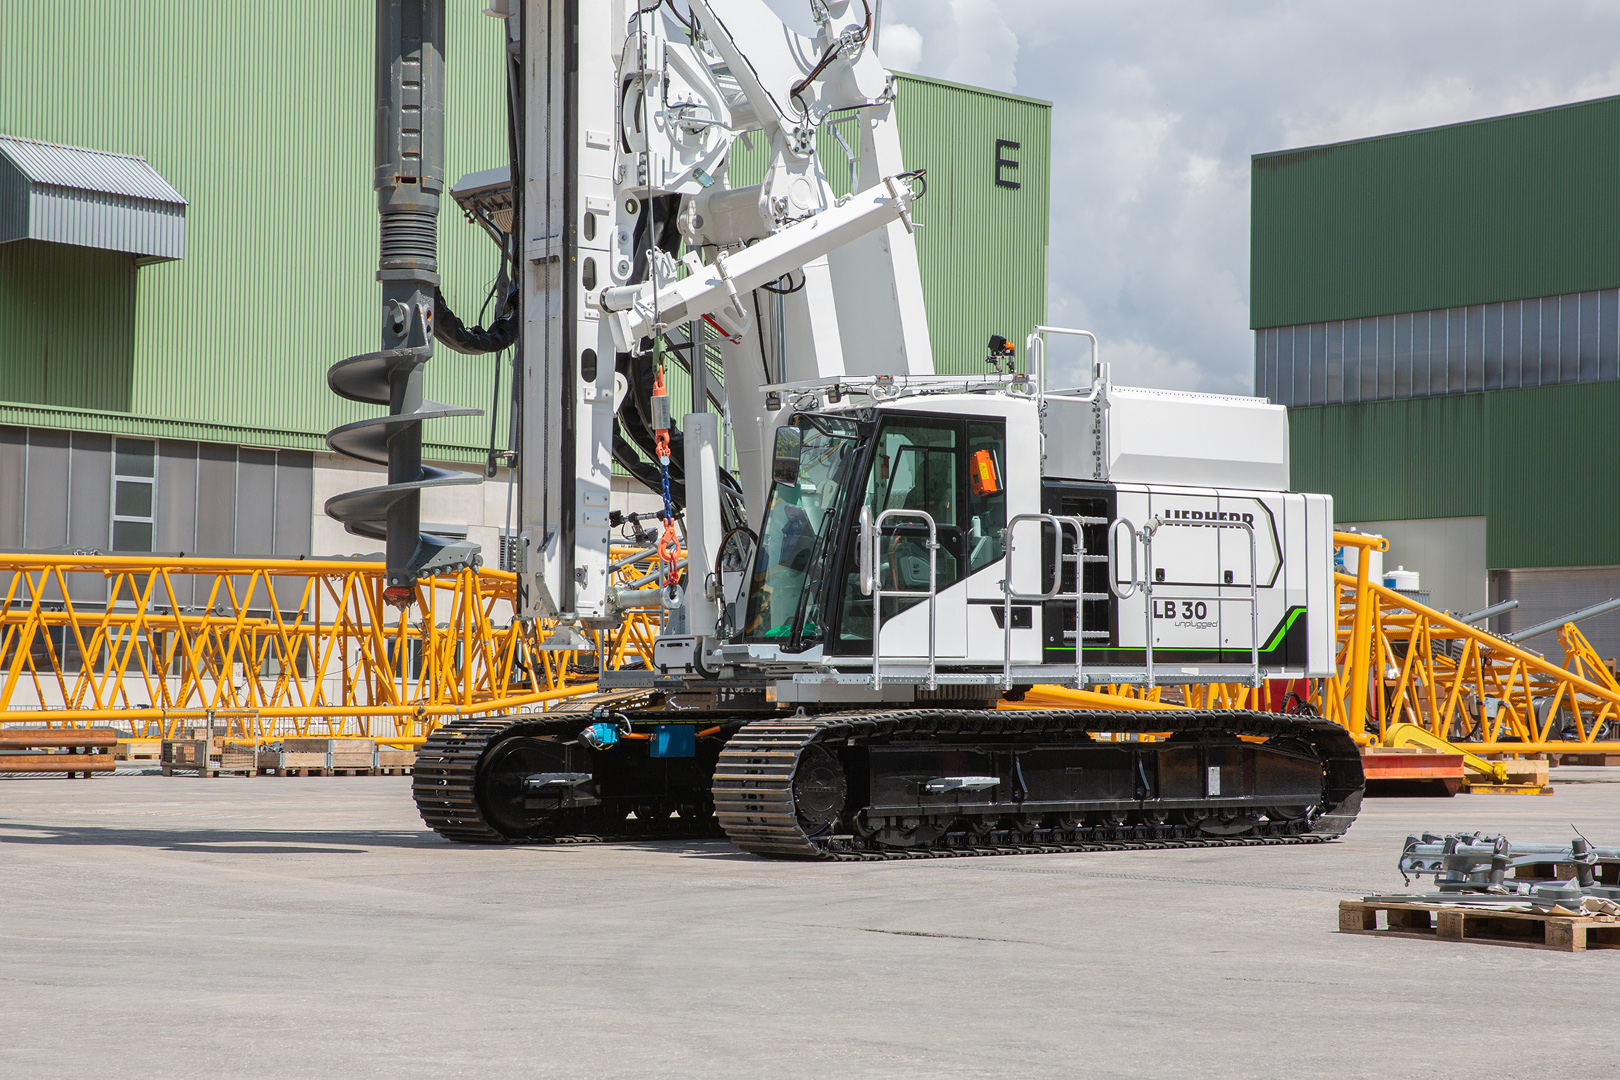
(447, 778)
(757, 783)
(445, 782)
(755, 797)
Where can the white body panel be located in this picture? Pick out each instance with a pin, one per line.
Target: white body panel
(703, 528)
(1321, 598)
(876, 282)
(906, 635)
(1200, 573)
(1169, 437)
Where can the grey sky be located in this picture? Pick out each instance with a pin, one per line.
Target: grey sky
(1157, 107)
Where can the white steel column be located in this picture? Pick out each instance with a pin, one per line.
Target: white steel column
(567, 395)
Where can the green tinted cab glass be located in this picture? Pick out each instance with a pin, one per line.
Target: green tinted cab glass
(800, 517)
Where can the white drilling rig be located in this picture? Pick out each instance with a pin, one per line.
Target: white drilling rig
(908, 544)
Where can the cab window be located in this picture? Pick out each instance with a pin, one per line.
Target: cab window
(956, 471)
(986, 508)
(915, 468)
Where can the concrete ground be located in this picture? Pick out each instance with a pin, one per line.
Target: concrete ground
(282, 927)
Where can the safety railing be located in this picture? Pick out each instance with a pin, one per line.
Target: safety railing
(1035, 353)
(871, 582)
(1078, 595)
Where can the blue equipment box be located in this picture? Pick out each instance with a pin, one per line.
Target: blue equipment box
(674, 740)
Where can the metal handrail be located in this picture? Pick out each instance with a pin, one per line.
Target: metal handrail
(1113, 577)
(1035, 346)
(871, 582)
(866, 557)
(1009, 596)
(1253, 599)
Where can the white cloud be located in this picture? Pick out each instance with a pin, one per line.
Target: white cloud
(900, 46)
(1157, 108)
(986, 49)
(1138, 363)
(967, 41)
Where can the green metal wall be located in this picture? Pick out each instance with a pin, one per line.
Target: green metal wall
(260, 114)
(1538, 464)
(68, 315)
(982, 249)
(1499, 209)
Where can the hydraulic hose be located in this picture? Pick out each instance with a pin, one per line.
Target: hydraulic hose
(476, 340)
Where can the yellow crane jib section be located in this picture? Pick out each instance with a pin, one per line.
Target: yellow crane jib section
(1355, 710)
(279, 646)
(1404, 662)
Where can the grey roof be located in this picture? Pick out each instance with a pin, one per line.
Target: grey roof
(88, 170)
(93, 198)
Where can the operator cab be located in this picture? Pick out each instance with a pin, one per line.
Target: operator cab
(927, 504)
(889, 466)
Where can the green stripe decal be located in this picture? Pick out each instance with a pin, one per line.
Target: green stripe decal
(1278, 634)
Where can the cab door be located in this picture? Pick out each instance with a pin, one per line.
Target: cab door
(917, 465)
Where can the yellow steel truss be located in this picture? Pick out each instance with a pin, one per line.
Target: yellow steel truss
(1403, 662)
(308, 647)
(273, 647)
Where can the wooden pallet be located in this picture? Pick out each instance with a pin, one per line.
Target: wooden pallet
(139, 750)
(1564, 933)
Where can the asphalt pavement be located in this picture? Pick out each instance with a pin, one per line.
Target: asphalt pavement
(283, 927)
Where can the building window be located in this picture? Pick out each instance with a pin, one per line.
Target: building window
(134, 477)
(1502, 346)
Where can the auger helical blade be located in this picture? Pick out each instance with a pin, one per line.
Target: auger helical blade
(408, 179)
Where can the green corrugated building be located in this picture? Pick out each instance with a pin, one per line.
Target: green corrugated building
(163, 356)
(1440, 309)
